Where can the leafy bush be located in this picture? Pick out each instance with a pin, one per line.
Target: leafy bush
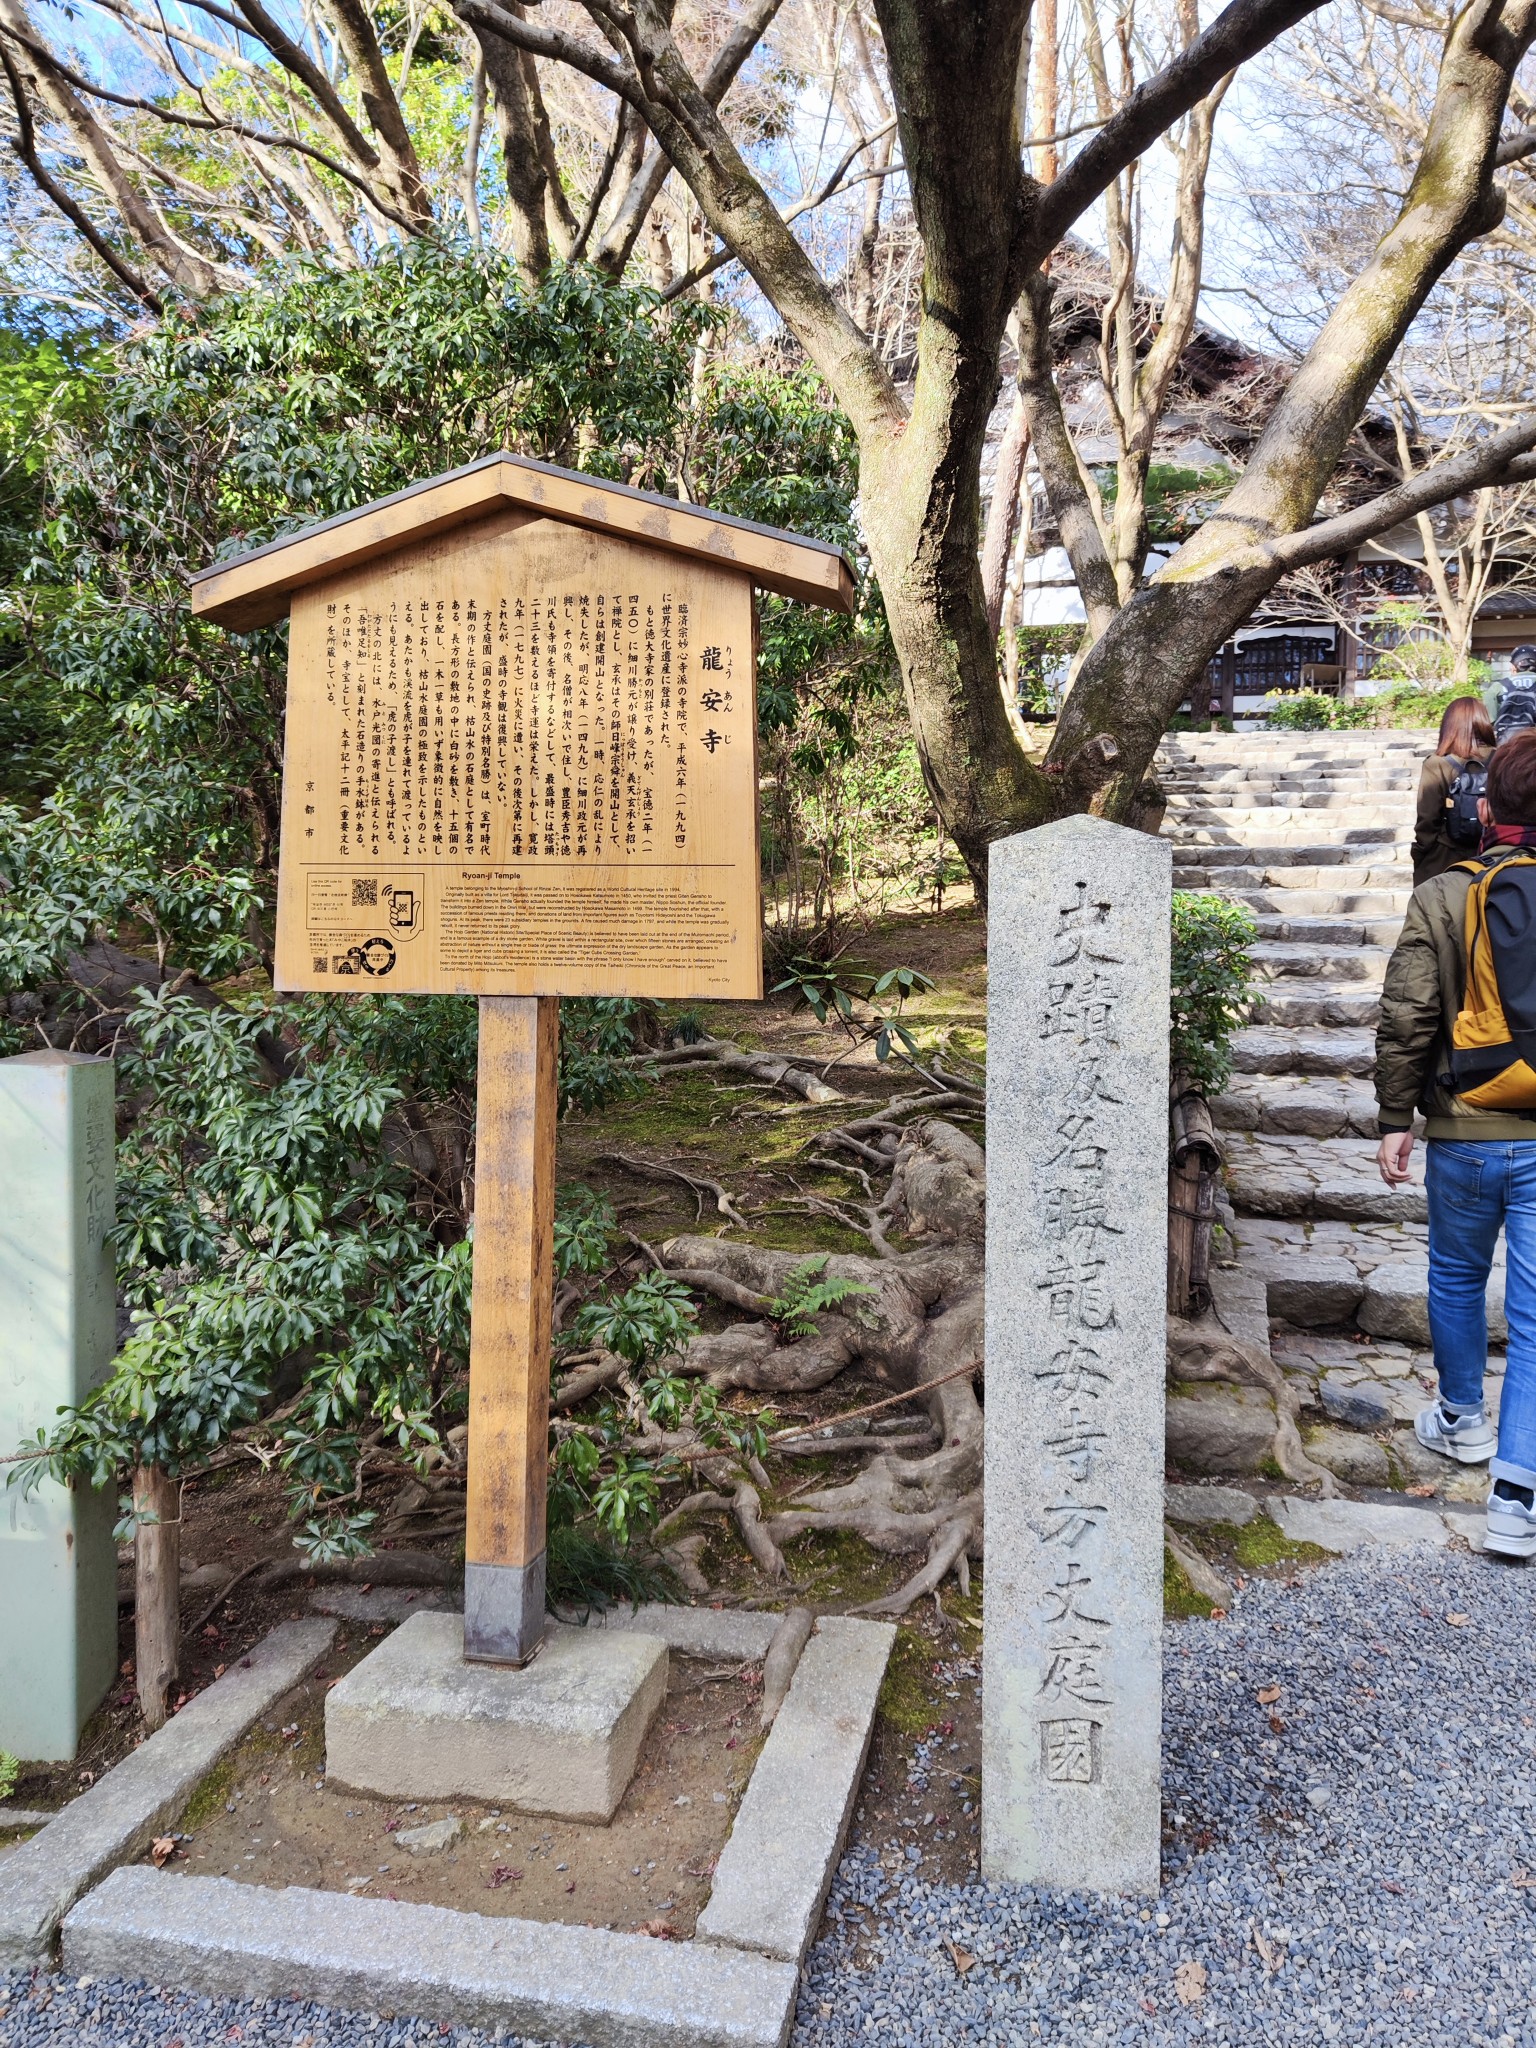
(1045, 654)
(1211, 969)
(293, 1227)
(1299, 711)
(10, 1771)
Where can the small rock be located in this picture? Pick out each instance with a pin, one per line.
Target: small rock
(1319, 1798)
(1209, 1507)
(1363, 1405)
(432, 1839)
(1357, 1460)
(1218, 1429)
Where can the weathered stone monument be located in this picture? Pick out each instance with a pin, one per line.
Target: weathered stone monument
(1077, 1108)
(520, 762)
(58, 1566)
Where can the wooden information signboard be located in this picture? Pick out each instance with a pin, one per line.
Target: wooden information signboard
(519, 762)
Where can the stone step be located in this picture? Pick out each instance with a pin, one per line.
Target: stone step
(1297, 1106)
(1281, 827)
(1388, 1298)
(1329, 931)
(1239, 880)
(1377, 806)
(1296, 1004)
(1369, 842)
(1268, 1049)
(1315, 1178)
(1279, 961)
(1383, 906)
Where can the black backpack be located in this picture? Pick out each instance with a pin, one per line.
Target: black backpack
(1517, 709)
(1463, 827)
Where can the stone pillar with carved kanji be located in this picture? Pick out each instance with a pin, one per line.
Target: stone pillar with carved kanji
(1077, 1104)
(58, 1564)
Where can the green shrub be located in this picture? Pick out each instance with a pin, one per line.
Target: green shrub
(1299, 711)
(1212, 966)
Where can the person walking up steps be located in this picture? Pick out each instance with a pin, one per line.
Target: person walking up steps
(1457, 1039)
(1447, 828)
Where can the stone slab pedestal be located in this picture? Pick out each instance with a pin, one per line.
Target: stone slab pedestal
(58, 1566)
(561, 1736)
(1077, 1169)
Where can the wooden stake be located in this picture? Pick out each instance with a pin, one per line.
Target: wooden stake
(517, 1106)
(157, 1590)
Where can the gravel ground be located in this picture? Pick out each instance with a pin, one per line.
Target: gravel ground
(1353, 1874)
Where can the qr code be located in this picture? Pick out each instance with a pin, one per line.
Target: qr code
(322, 965)
(365, 895)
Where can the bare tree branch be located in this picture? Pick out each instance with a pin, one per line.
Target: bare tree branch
(1239, 32)
(187, 268)
(1501, 459)
(25, 146)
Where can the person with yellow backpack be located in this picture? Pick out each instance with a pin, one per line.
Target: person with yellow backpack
(1457, 1042)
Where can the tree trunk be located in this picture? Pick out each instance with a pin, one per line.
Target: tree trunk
(157, 1589)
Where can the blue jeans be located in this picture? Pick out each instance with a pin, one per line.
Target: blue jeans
(1475, 1187)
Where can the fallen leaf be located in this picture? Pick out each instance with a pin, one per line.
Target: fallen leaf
(1218, 1614)
(1277, 1724)
(1522, 1882)
(1189, 1982)
(219, 1670)
(962, 1958)
(1425, 1492)
(569, 1889)
(162, 1849)
(1268, 1956)
(661, 1930)
(503, 1874)
(1269, 1695)
(1389, 1884)
(1149, 2005)
(1457, 1620)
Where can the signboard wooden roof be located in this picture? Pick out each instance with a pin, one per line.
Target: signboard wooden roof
(255, 589)
(520, 755)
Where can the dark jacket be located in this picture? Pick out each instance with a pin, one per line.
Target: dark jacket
(1433, 853)
(1420, 1001)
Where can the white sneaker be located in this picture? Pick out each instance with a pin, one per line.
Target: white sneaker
(1469, 1439)
(1511, 1525)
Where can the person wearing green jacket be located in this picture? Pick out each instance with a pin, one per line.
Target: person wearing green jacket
(1480, 1165)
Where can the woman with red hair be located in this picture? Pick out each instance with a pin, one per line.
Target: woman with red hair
(1466, 734)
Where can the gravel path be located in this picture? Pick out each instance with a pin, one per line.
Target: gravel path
(1353, 1876)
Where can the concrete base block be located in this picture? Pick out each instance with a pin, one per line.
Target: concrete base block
(773, 1874)
(414, 1721)
(144, 1794)
(539, 1981)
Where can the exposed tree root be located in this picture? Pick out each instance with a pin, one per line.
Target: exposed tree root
(918, 1329)
(1207, 1350)
(771, 1067)
(1204, 1578)
(698, 1184)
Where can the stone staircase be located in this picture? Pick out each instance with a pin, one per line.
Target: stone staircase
(1312, 831)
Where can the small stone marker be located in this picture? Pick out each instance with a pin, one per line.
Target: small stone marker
(1077, 1148)
(58, 1567)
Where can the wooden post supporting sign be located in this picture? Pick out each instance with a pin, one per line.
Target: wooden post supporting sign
(520, 762)
(518, 1105)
